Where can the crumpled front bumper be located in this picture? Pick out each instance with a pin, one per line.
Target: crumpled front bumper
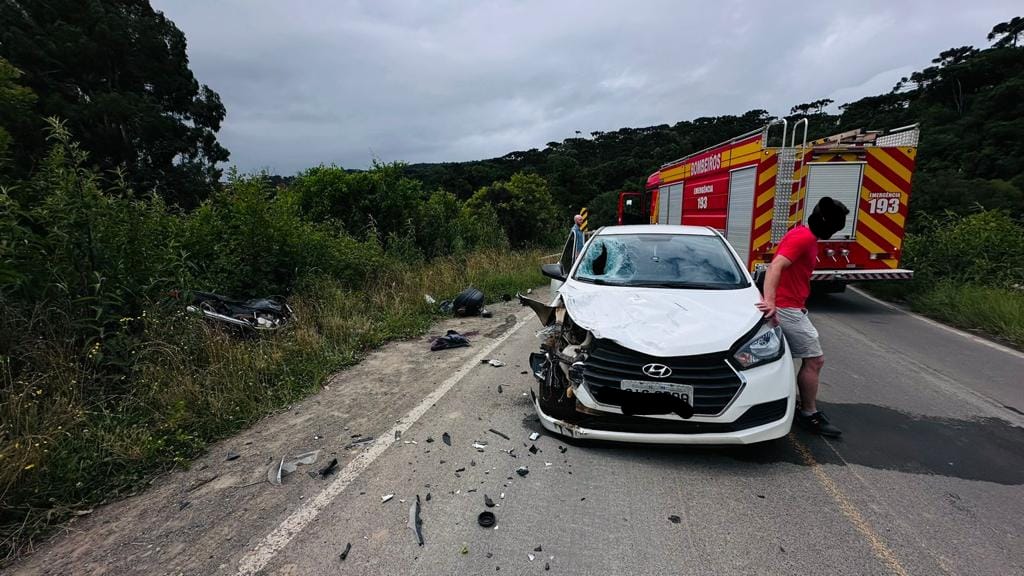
(771, 384)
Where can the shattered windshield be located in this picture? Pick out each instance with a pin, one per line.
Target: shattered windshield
(662, 261)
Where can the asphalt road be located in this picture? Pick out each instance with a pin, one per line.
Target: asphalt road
(927, 478)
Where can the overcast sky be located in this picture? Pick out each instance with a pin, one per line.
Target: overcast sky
(333, 81)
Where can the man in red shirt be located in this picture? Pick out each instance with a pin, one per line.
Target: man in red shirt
(786, 287)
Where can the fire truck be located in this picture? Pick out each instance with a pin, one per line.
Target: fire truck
(754, 193)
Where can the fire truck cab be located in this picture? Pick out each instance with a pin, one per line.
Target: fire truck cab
(754, 193)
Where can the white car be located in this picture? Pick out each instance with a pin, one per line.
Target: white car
(654, 337)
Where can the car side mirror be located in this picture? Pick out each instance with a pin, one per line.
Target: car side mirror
(553, 271)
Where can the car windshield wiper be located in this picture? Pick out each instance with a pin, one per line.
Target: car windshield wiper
(600, 282)
(689, 285)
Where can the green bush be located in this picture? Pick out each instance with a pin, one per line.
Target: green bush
(981, 249)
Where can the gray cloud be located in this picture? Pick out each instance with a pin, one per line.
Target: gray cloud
(309, 82)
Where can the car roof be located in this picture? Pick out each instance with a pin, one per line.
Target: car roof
(656, 229)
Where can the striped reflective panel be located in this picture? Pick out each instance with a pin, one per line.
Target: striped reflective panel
(764, 202)
(888, 171)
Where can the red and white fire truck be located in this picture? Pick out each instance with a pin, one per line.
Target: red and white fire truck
(754, 193)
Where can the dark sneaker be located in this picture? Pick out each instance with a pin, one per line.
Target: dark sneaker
(818, 424)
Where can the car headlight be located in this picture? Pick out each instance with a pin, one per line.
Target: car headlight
(766, 346)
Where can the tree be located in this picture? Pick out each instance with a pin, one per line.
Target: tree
(1007, 32)
(523, 206)
(116, 71)
(16, 102)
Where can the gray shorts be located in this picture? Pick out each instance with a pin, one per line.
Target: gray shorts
(801, 335)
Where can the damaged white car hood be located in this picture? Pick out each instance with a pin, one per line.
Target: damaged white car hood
(663, 321)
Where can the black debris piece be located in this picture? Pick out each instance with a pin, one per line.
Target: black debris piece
(463, 469)
(232, 456)
(522, 471)
(495, 432)
(486, 314)
(562, 449)
(524, 372)
(547, 566)
(582, 499)
(674, 519)
(534, 449)
(486, 519)
(428, 497)
(781, 549)
(489, 555)
(446, 438)
(472, 462)
(452, 339)
(760, 496)
(506, 297)
(359, 442)
(331, 467)
(398, 434)
(499, 388)
(538, 549)
(415, 523)
(471, 490)
(488, 502)
(430, 439)
(183, 504)
(344, 553)
(256, 314)
(469, 302)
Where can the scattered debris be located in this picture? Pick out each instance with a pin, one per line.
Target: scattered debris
(479, 447)
(329, 469)
(430, 439)
(472, 462)
(452, 339)
(547, 463)
(488, 502)
(386, 497)
(359, 441)
(465, 549)
(489, 555)
(344, 553)
(534, 436)
(506, 297)
(183, 504)
(502, 496)
(415, 522)
(493, 362)
(499, 388)
(522, 471)
(547, 566)
(398, 434)
(428, 497)
(562, 449)
(463, 469)
(759, 495)
(486, 314)
(486, 519)
(538, 549)
(232, 456)
(446, 439)
(674, 519)
(531, 557)
(429, 299)
(534, 449)
(469, 302)
(493, 431)
(274, 475)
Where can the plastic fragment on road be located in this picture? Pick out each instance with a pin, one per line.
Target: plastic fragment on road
(331, 467)
(479, 447)
(547, 566)
(359, 441)
(538, 549)
(534, 449)
(522, 471)
(495, 432)
(531, 557)
(674, 519)
(446, 438)
(534, 436)
(275, 474)
(547, 463)
(415, 523)
(562, 449)
(451, 339)
(232, 456)
(465, 549)
(499, 388)
(488, 502)
(493, 362)
(344, 553)
(502, 496)
(386, 497)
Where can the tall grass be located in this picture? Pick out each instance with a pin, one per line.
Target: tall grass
(62, 449)
(995, 311)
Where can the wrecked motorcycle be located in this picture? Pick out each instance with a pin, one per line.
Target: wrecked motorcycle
(269, 313)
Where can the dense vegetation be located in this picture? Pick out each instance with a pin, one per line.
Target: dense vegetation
(112, 208)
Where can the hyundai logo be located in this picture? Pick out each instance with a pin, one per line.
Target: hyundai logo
(657, 370)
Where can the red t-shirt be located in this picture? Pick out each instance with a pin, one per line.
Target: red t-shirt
(800, 246)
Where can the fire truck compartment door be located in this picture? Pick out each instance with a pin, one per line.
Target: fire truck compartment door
(741, 211)
(839, 181)
(675, 204)
(663, 205)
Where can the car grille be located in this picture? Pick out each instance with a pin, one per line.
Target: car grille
(714, 382)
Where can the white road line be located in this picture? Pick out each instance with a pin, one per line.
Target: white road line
(967, 335)
(257, 558)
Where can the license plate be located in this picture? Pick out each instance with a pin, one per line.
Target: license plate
(682, 391)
